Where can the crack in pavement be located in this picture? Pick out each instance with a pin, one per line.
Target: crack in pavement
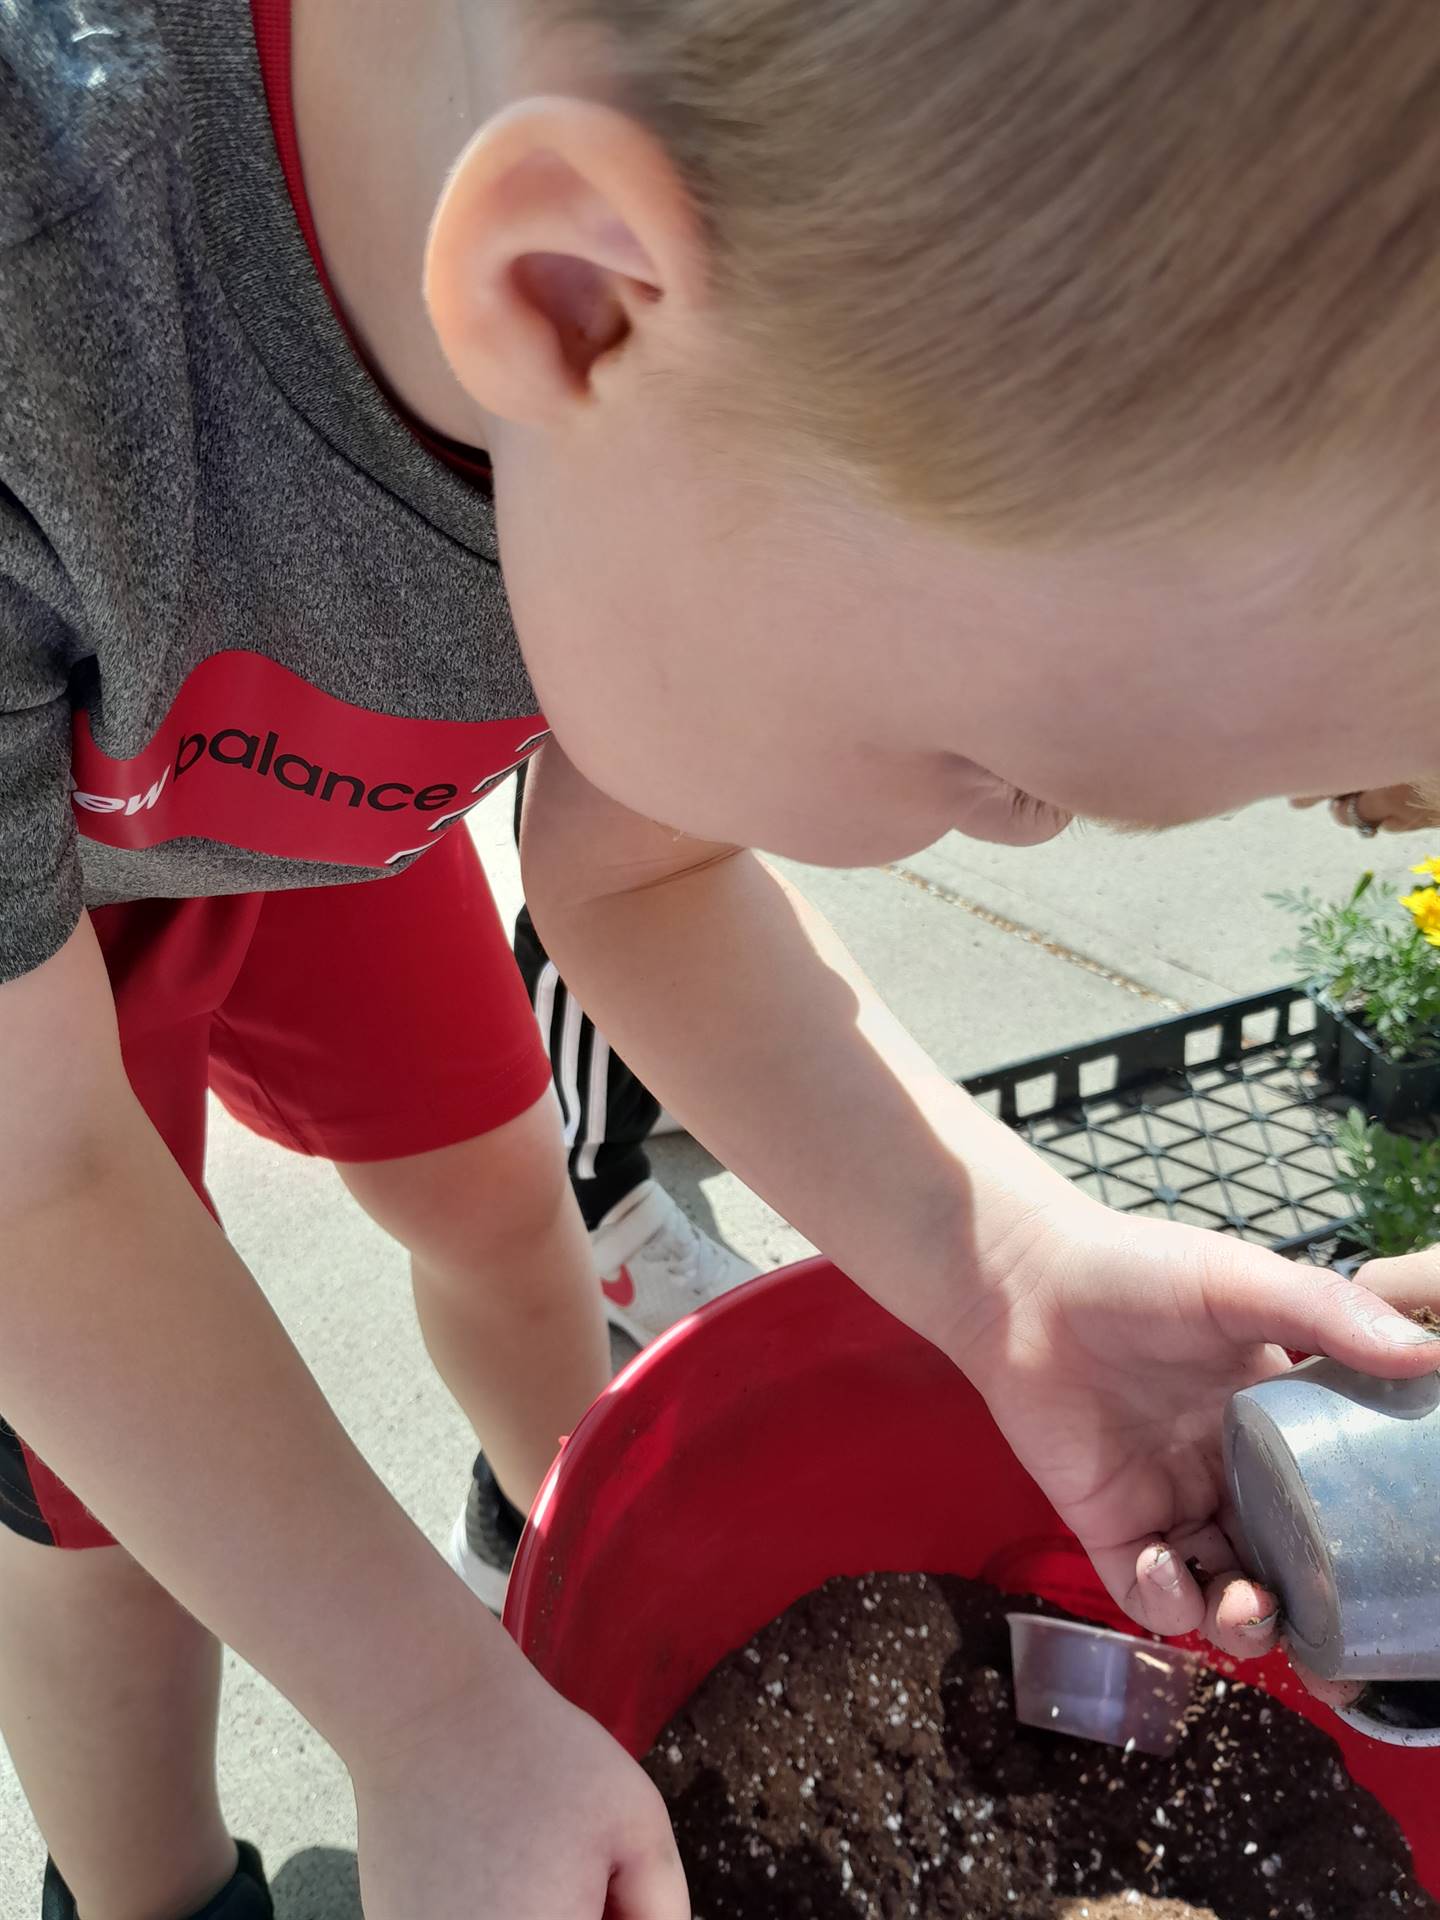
(1034, 938)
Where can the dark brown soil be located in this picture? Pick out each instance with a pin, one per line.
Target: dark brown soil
(860, 1758)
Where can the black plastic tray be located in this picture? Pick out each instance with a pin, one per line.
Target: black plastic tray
(1218, 1119)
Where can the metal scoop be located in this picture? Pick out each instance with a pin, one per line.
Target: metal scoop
(1335, 1481)
(1098, 1685)
(1404, 1713)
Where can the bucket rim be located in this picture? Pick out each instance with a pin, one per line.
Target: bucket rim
(528, 1575)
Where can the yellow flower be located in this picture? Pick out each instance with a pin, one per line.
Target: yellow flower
(1429, 868)
(1424, 904)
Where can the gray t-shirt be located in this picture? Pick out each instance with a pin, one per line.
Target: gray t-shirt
(252, 633)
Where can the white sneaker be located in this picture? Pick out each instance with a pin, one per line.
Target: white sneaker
(655, 1264)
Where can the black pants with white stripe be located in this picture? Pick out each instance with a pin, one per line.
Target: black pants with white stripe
(608, 1113)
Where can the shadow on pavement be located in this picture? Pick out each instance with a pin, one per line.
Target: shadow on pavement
(322, 1883)
(680, 1165)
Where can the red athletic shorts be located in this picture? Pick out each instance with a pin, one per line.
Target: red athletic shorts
(362, 1022)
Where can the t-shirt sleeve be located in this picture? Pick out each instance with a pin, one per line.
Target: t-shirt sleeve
(40, 621)
(40, 884)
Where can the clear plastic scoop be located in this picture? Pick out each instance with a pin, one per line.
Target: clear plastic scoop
(1098, 1685)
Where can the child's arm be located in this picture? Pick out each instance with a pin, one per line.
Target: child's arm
(141, 1361)
(1106, 1346)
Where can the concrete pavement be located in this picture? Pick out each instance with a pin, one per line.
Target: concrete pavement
(986, 953)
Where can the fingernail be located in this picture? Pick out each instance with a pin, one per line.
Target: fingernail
(1164, 1571)
(1396, 1332)
(1262, 1626)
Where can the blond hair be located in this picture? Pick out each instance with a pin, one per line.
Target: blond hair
(1039, 265)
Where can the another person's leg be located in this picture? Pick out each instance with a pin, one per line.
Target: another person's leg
(654, 1264)
(607, 1113)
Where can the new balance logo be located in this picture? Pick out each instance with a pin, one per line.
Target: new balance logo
(328, 781)
(131, 804)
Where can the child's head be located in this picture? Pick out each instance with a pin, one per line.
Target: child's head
(891, 389)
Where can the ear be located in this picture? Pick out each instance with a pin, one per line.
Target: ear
(561, 235)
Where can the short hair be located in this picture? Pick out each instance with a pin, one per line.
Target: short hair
(1038, 266)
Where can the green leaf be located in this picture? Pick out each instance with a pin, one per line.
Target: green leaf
(1393, 1181)
(1365, 957)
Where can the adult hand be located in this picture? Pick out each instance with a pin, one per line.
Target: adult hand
(518, 1805)
(1107, 1352)
(1402, 809)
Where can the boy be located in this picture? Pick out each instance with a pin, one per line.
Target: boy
(1070, 347)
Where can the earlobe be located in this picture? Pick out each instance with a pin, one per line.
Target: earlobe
(560, 229)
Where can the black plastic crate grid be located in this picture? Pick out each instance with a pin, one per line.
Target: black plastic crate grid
(1216, 1120)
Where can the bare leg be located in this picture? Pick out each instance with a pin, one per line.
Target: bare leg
(109, 1693)
(504, 1284)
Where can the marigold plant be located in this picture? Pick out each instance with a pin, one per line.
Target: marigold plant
(1393, 1182)
(1361, 959)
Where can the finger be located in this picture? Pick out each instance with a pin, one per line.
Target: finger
(1163, 1594)
(1409, 1281)
(1260, 1298)
(1165, 1600)
(1360, 809)
(1397, 809)
(649, 1886)
(1309, 800)
(1372, 806)
(1242, 1618)
(1171, 1576)
(1330, 1693)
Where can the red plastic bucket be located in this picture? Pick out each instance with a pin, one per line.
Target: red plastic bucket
(791, 1432)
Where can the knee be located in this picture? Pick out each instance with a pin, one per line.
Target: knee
(518, 1204)
(493, 1195)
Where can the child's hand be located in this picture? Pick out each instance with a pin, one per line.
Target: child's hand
(513, 1804)
(1107, 1354)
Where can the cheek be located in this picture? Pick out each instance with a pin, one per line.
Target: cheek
(686, 684)
(646, 716)
(720, 762)
(1167, 708)
(587, 647)
(1114, 738)
(633, 652)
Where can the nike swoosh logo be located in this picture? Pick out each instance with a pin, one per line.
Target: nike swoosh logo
(621, 1290)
